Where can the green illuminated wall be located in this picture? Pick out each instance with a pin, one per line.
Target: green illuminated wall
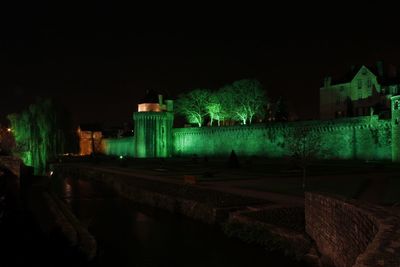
(153, 134)
(120, 146)
(352, 138)
(360, 138)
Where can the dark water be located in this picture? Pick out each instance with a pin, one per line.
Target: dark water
(134, 235)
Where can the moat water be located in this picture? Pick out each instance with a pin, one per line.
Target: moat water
(129, 234)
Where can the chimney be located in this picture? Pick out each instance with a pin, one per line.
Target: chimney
(160, 100)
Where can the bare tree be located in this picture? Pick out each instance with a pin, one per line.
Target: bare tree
(218, 106)
(243, 101)
(192, 105)
(304, 146)
(249, 100)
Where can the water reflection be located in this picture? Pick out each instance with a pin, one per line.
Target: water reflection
(135, 235)
(68, 191)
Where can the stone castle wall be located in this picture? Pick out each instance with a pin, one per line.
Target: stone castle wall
(349, 233)
(119, 146)
(352, 138)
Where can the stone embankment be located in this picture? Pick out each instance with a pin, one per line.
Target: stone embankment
(203, 204)
(350, 233)
(250, 219)
(328, 231)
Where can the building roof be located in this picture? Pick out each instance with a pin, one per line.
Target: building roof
(386, 74)
(349, 76)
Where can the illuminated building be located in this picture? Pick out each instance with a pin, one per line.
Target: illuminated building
(361, 92)
(90, 137)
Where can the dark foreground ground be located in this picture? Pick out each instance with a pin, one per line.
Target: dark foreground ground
(22, 243)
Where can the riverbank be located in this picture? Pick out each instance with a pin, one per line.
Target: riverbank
(201, 203)
(274, 221)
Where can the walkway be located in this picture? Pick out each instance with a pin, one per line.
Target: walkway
(237, 187)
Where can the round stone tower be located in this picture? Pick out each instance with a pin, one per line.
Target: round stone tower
(153, 128)
(395, 103)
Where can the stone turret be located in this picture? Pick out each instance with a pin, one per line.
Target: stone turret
(153, 129)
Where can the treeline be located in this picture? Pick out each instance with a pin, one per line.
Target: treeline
(242, 101)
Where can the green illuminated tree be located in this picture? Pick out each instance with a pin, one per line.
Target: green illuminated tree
(217, 107)
(193, 104)
(304, 145)
(249, 100)
(38, 133)
(242, 101)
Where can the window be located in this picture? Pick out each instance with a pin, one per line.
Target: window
(396, 105)
(359, 84)
(369, 83)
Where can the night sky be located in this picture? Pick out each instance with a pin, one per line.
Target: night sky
(98, 60)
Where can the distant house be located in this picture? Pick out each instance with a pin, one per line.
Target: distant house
(362, 91)
(90, 136)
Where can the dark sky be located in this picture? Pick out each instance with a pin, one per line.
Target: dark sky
(98, 59)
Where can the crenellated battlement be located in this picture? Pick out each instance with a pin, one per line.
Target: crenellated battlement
(365, 137)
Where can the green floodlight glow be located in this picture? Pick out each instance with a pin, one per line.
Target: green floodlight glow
(37, 134)
(366, 137)
(355, 138)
